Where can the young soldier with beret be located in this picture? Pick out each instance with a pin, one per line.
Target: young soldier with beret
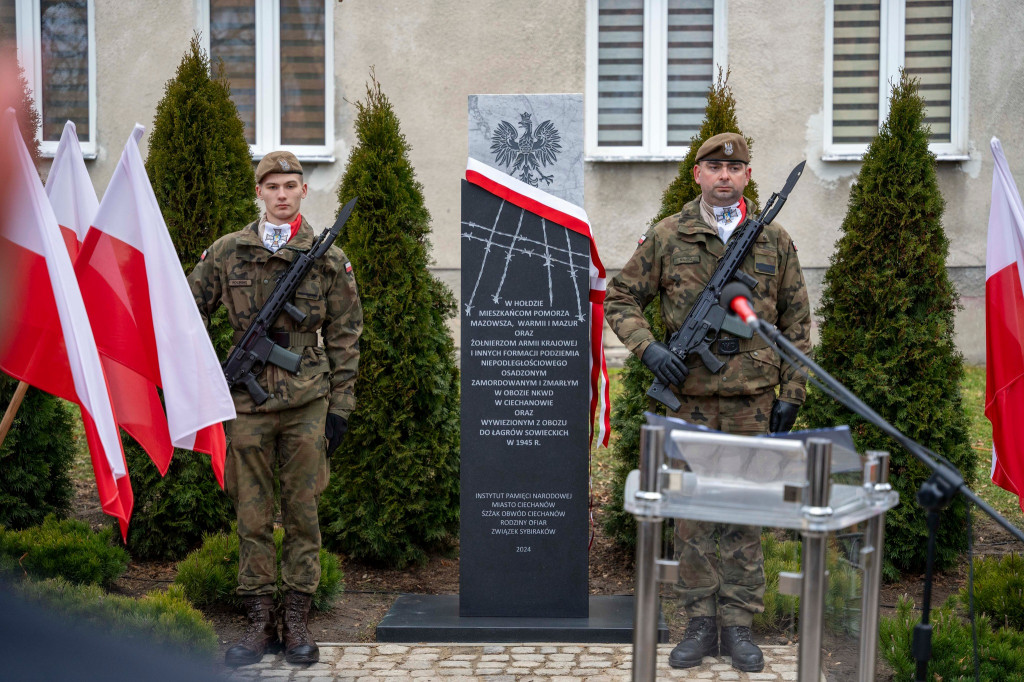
(293, 433)
(721, 573)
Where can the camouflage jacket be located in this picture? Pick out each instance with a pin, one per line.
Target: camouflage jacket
(239, 272)
(676, 258)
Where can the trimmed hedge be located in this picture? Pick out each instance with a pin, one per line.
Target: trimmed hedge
(999, 590)
(1000, 651)
(209, 575)
(67, 549)
(162, 617)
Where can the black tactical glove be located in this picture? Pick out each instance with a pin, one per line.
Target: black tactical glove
(336, 428)
(783, 416)
(666, 365)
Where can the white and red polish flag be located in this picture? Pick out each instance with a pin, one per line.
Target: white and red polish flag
(45, 336)
(135, 398)
(572, 217)
(1004, 327)
(70, 190)
(143, 311)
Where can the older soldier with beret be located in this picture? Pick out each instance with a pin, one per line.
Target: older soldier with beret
(721, 573)
(293, 433)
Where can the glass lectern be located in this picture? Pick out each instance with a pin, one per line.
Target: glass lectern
(815, 485)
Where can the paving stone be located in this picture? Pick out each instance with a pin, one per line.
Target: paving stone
(387, 649)
(494, 649)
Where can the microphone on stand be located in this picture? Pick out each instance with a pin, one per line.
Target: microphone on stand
(738, 298)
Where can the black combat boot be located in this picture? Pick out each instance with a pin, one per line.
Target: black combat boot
(299, 646)
(259, 634)
(700, 640)
(746, 656)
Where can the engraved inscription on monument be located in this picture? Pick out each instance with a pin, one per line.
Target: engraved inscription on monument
(525, 349)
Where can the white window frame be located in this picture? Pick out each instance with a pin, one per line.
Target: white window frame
(654, 146)
(891, 58)
(268, 80)
(29, 38)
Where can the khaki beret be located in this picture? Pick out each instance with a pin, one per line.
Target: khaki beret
(724, 147)
(277, 162)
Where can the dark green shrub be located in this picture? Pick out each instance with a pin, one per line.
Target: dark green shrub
(999, 590)
(394, 490)
(173, 513)
(201, 171)
(25, 112)
(162, 617)
(887, 328)
(1000, 651)
(67, 549)
(209, 575)
(37, 455)
(628, 409)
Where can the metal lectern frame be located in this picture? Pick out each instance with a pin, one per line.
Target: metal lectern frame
(812, 505)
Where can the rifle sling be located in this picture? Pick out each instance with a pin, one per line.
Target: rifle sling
(286, 339)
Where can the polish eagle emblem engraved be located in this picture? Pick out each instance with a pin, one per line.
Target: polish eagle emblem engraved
(527, 153)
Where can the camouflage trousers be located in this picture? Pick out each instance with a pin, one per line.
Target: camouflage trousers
(721, 567)
(290, 445)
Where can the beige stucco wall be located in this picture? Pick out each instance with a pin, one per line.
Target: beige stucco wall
(430, 55)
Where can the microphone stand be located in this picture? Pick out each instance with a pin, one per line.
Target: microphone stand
(934, 494)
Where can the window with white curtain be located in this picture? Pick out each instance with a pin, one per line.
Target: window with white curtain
(278, 57)
(867, 42)
(56, 48)
(649, 66)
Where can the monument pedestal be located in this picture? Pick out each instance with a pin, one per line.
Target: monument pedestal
(435, 618)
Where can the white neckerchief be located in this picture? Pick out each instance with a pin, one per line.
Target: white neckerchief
(276, 236)
(727, 219)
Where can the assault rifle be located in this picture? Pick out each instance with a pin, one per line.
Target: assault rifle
(252, 353)
(707, 318)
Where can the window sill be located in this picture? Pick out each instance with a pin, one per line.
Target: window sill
(326, 157)
(860, 157)
(653, 158)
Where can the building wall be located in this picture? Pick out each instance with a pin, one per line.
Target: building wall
(430, 55)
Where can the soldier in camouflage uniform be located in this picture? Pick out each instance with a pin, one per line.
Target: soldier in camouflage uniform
(293, 433)
(675, 259)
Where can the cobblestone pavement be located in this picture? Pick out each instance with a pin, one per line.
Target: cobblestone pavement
(500, 663)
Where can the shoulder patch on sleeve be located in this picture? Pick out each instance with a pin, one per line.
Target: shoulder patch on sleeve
(348, 267)
(643, 238)
(203, 257)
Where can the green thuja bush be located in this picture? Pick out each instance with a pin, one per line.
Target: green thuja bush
(887, 328)
(629, 407)
(201, 171)
(209, 575)
(394, 489)
(67, 549)
(999, 590)
(162, 617)
(1000, 651)
(779, 609)
(36, 457)
(782, 611)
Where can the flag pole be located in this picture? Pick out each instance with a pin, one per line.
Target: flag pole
(12, 409)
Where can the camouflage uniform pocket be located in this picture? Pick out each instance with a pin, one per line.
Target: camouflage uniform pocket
(309, 298)
(764, 366)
